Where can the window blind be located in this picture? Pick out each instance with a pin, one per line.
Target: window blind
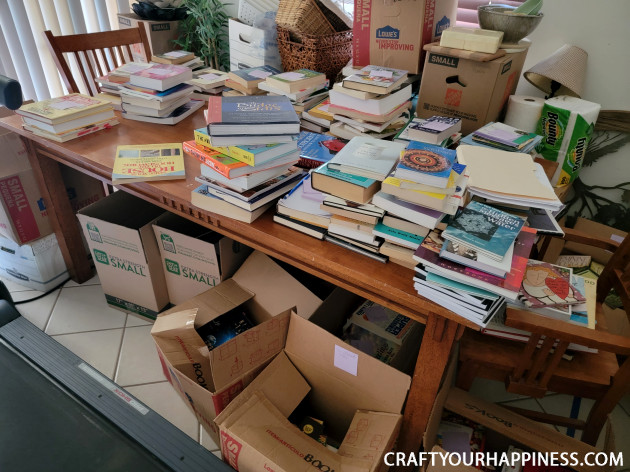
(24, 53)
(467, 10)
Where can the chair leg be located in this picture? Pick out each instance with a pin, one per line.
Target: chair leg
(466, 375)
(604, 405)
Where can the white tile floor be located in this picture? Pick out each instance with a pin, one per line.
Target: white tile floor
(120, 346)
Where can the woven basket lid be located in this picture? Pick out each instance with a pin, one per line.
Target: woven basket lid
(566, 66)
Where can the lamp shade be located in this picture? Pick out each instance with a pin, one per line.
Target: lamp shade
(567, 66)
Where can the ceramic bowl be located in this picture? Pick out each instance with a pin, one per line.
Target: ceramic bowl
(514, 26)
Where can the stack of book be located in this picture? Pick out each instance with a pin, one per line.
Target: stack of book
(111, 82)
(68, 117)
(158, 94)
(372, 102)
(304, 87)
(245, 81)
(207, 83)
(317, 119)
(426, 185)
(354, 175)
(477, 262)
(178, 57)
(497, 135)
(248, 153)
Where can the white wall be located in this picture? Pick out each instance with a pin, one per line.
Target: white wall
(601, 28)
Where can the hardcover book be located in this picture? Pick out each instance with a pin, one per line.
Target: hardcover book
(367, 157)
(62, 109)
(145, 162)
(376, 79)
(488, 229)
(296, 80)
(410, 211)
(509, 287)
(426, 163)
(546, 285)
(258, 115)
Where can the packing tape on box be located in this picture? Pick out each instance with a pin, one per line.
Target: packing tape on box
(523, 112)
(566, 125)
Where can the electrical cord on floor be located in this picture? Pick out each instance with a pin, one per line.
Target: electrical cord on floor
(43, 294)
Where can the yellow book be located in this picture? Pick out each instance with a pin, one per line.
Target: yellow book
(393, 181)
(146, 162)
(62, 109)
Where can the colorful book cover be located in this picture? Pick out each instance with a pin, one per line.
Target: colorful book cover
(364, 182)
(382, 321)
(429, 250)
(486, 228)
(546, 285)
(377, 75)
(148, 162)
(319, 147)
(426, 159)
(504, 134)
(56, 109)
(321, 111)
(221, 163)
(252, 110)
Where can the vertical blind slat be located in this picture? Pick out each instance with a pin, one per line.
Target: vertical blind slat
(8, 68)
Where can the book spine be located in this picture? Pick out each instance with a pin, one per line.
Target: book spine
(242, 155)
(202, 139)
(207, 160)
(214, 110)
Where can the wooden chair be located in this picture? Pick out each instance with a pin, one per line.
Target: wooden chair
(531, 371)
(102, 53)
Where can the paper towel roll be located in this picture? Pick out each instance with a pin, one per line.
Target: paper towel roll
(523, 112)
(566, 125)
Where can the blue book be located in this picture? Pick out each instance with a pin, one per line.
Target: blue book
(403, 238)
(426, 164)
(255, 115)
(319, 147)
(364, 182)
(488, 229)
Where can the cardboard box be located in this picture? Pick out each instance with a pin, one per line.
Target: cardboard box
(392, 34)
(38, 265)
(209, 380)
(472, 90)
(195, 258)
(358, 398)
(120, 236)
(504, 425)
(160, 33)
(249, 45)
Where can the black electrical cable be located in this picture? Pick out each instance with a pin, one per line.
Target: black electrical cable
(43, 294)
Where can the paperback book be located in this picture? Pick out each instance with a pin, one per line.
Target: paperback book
(367, 157)
(316, 148)
(296, 80)
(180, 113)
(201, 198)
(250, 77)
(435, 129)
(63, 109)
(382, 321)
(489, 230)
(147, 162)
(504, 136)
(367, 212)
(376, 79)
(427, 164)
(547, 285)
(160, 76)
(208, 79)
(403, 238)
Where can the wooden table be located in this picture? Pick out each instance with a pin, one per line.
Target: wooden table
(388, 284)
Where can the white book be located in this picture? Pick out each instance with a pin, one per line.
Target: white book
(337, 229)
(173, 118)
(409, 211)
(244, 182)
(151, 111)
(373, 106)
(206, 201)
(367, 157)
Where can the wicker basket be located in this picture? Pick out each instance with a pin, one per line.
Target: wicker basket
(322, 53)
(303, 17)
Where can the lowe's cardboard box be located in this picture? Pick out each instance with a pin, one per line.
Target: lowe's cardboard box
(475, 91)
(392, 33)
(195, 258)
(208, 380)
(160, 34)
(358, 398)
(120, 236)
(38, 265)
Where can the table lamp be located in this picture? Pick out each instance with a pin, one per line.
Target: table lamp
(10, 93)
(562, 73)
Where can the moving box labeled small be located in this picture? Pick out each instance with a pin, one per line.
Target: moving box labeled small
(358, 398)
(120, 236)
(38, 264)
(161, 34)
(474, 90)
(392, 34)
(195, 258)
(208, 380)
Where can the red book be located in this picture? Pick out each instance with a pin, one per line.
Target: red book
(224, 165)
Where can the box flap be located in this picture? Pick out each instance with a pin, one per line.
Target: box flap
(376, 386)
(248, 350)
(275, 289)
(517, 427)
(13, 158)
(214, 302)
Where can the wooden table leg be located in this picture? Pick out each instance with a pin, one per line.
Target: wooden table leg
(62, 217)
(435, 350)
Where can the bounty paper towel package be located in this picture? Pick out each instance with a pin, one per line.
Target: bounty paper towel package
(566, 125)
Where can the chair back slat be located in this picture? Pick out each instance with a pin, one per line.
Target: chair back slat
(86, 48)
(620, 261)
(561, 348)
(528, 352)
(539, 360)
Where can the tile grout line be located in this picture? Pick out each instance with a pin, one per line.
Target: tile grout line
(52, 309)
(118, 357)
